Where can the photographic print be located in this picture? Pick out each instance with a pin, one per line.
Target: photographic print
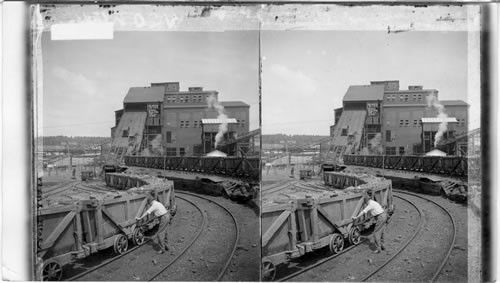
(371, 143)
(147, 143)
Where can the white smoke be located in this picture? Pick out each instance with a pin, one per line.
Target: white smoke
(432, 101)
(156, 148)
(374, 146)
(156, 145)
(214, 104)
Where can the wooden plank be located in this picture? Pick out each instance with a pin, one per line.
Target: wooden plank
(99, 225)
(292, 232)
(78, 236)
(314, 223)
(302, 225)
(88, 227)
(327, 216)
(274, 227)
(56, 233)
(113, 221)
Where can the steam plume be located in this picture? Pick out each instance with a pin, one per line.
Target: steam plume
(214, 104)
(432, 101)
(374, 146)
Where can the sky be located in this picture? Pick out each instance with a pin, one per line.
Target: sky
(85, 81)
(305, 74)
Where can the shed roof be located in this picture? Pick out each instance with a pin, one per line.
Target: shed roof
(233, 104)
(439, 120)
(219, 121)
(145, 94)
(364, 93)
(454, 103)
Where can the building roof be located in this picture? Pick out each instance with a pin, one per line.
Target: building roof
(439, 120)
(219, 121)
(364, 93)
(454, 103)
(134, 123)
(234, 104)
(145, 94)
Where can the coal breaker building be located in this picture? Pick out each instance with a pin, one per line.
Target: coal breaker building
(380, 118)
(163, 120)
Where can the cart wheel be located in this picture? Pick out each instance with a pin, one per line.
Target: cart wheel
(121, 244)
(336, 243)
(354, 236)
(52, 271)
(138, 236)
(268, 270)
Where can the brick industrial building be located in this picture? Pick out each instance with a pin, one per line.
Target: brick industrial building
(162, 119)
(380, 118)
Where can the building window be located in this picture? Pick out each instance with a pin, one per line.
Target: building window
(401, 123)
(406, 97)
(186, 124)
(402, 150)
(195, 124)
(414, 96)
(388, 135)
(125, 134)
(390, 150)
(407, 123)
(238, 123)
(181, 124)
(419, 97)
(171, 151)
(182, 151)
(168, 137)
(242, 123)
(415, 123)
(344, 132)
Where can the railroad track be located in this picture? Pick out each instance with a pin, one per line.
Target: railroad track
(281, 186)
(159, 274)
(394, 256)
(58, 189)
(449, 250)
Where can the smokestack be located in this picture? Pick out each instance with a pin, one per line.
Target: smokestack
(432, 101)
(214, 104)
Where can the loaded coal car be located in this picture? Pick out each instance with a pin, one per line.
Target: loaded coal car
(247, 167)
(75, 229)
(300, 223)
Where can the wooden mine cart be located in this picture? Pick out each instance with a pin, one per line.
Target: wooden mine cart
(76, 230)
(304, 225)
(305, 174)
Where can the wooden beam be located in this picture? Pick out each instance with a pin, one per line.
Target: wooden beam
(56, 233)
(274, 227)
(327, 216)
(113, 221)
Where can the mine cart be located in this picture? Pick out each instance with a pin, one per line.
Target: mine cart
(76, 230)
(290, 230)
(305, 174)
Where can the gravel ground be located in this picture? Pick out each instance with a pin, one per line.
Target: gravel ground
(358, 262)
(142, 263)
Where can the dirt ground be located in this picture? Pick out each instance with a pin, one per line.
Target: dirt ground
(418, 262)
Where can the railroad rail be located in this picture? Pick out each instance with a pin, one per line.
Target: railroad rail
(446, 165)
(394, 256)
(200, 231)
(242, 167)
(329, 258)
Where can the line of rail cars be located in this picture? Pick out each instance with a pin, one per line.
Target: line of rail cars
(75, 230)
(227, 166)
(303, 225)
(449, 165)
